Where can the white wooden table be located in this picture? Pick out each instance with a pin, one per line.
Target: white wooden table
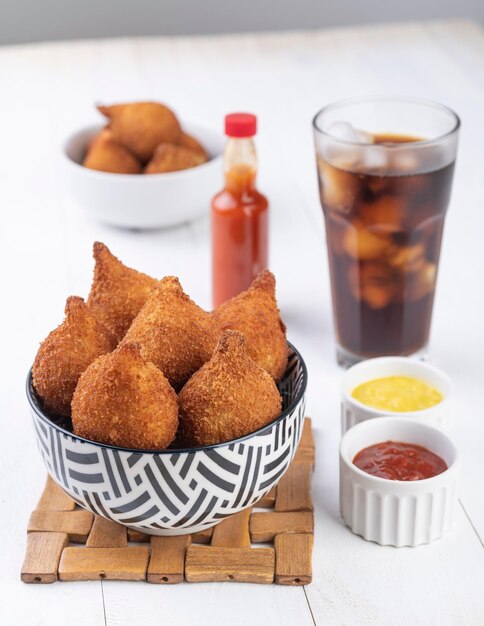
(49, 90)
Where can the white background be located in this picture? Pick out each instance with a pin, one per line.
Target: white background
(45, 256)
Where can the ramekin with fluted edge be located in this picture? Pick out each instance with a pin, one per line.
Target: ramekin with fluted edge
(394, 512)
(353, 412)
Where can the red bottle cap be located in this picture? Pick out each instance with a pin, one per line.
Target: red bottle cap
(240, 125)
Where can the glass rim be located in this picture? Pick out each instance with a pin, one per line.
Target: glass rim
(402, 99)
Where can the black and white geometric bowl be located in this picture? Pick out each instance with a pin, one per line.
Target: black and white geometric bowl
(174, 492)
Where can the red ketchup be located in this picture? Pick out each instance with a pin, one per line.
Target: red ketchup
(395, 460)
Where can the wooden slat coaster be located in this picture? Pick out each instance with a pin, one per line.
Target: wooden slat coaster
(204, 536)
(307, 437)
(225, 552)
(233, 532)
(305, 455)
(42, 557)
(245, 565)
(76, 524)
(107, 534)
(167, 561)
(294, 489)
(306, 449)
(293, 559)
(136, 536)
(268, 501)
(265, 526)
(53, 498)
(104, 563)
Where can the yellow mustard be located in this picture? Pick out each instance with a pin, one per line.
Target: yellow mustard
(397, 393)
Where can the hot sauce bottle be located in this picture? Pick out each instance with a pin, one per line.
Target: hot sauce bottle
(239, 214)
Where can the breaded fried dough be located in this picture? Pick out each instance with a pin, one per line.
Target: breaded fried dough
(229, 397)
(255, 314)
(123, 400)
(118, 292)
(106, 155)
(187, 141)
(174, 333)
(169, 158)
(66, 353)
(141, 126)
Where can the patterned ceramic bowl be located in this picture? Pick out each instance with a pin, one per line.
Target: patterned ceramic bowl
(174, 492)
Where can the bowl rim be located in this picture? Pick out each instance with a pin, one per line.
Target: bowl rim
(396, 420)
(299, 396)
(133, 177)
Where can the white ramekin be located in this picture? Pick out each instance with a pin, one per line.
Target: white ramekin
(353, 412)
(394, 512)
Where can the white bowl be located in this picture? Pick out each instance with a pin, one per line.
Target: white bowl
(394, 512)
(145, 201)
(353, 412)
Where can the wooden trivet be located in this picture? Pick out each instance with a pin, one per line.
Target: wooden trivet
(225, 552)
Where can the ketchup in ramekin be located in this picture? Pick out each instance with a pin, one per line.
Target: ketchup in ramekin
(395, 460)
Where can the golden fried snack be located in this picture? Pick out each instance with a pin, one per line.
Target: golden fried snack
(187, 141)
(169, 158)
(106, 155)
(141, 126)
(255, 314)
(229, 397)
(118, 292)
(123, 400)
(174, 333)
(66, 353)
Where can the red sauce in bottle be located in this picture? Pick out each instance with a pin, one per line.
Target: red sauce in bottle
(239, 215)
(399, 461)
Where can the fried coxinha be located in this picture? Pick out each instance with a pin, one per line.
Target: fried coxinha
(142, 126)
(255, 314)
(174, 333)
(142, 138)
(66, 353)
(230, 396)
(107, 155)
(124, 400)
(118, 293)
(118, 361)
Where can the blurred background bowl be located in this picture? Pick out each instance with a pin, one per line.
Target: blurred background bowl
(145, 201)
(174, 492)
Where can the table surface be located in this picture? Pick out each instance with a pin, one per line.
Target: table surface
(49, 91)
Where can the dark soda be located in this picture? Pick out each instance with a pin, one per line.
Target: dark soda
(384, 230)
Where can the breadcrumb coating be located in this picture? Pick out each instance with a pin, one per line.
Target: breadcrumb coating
(123, 400)
(169, 158)
(229, 397)
(106, 155)
(174, 333)
(66, 353)
(118, 293)
(141, 126)
(188, 141)
(255, 314)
